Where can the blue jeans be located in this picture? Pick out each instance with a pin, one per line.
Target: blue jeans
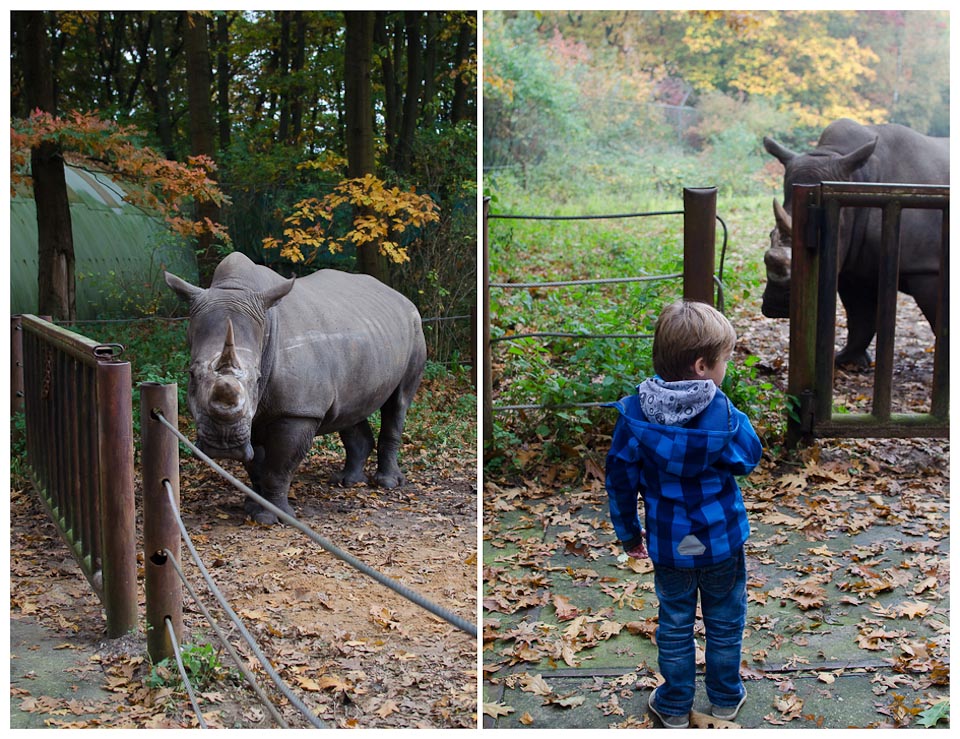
(723, 601)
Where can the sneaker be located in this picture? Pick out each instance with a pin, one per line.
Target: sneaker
(727, 713)
(669, 722)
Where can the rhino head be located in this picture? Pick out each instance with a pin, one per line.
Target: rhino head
(227, 335)
(820, 165)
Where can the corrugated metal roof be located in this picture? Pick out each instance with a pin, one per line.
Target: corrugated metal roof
(120, 250)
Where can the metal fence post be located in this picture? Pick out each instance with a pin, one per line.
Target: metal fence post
(699, 242)
(160, 462)
(487, 366)
(117, 504)
(16, 365)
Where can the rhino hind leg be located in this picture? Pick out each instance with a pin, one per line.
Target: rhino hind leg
(393, 414)
(925, 289)
(278, 451)
(357, 443)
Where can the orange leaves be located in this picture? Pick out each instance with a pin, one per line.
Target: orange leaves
(381, 215)
(88, 140)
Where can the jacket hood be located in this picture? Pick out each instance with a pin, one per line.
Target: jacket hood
(674, 403)
(680, 450)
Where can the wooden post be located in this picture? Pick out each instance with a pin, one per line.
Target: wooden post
(161, 463)
(699, 242)
(804, 271)
(117, 504)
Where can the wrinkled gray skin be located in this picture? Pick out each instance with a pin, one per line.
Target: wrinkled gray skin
(275, 362)
(850, 152)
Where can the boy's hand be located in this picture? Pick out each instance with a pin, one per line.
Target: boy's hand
(639, 551)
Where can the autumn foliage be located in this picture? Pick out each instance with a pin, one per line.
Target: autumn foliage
(87, 140)
(381, 215)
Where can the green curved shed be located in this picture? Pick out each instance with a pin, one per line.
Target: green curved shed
(120, 251)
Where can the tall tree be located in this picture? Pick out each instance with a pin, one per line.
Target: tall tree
(358, 104)
(199, 85)
(56, 263)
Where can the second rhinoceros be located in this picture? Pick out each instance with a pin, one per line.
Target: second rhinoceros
(275, 362)
(850, 152)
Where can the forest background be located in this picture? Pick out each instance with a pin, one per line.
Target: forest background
(256, 107)
(601, 112)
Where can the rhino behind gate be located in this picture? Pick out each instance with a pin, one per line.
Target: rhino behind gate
(275, 362)
(850, 152)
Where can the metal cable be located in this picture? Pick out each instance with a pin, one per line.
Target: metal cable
(587, 218)
(399, 588)
(563, 335)
(597, 281)
(248, 676)
(183, 671)
(278, 681)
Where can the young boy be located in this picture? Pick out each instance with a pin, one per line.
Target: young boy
(678, 443)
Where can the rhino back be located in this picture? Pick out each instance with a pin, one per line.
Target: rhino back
(341, 344)
(902, 154)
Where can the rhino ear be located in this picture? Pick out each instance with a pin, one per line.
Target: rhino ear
(850, 163)
(272, 296)
(778, 150)
(182, 288)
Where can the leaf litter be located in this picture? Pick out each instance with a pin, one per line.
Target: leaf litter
(355, 652)
(848, 569)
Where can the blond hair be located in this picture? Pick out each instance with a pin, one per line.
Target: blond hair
(686, 331)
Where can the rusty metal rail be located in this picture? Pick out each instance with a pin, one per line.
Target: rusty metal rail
(77, 405)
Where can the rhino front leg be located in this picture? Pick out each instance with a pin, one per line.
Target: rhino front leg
(860, 303)
(357, 443)
(279, 449)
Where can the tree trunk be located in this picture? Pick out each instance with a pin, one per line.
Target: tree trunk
(458, 109)
(223, 80)
(161, 72)
(199, 85)
(358, 102)
(411, 101)
(283, 132)
(299, 59)
(391, 96)
(430, 57)
(55, 269)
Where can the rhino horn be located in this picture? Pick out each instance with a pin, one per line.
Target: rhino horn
(228, 357)
(784, 220)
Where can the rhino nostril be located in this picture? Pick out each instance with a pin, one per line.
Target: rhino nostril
(226, 397)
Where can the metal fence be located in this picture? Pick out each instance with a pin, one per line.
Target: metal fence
(699, 279)
(79, 441)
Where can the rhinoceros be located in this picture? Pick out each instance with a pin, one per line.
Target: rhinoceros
(850, 152)
(275, 362)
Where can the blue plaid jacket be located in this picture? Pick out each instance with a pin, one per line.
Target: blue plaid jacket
(694, 511)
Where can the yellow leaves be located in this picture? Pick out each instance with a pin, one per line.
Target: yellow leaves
(379, 213)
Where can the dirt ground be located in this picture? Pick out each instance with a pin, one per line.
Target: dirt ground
(353, 651)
